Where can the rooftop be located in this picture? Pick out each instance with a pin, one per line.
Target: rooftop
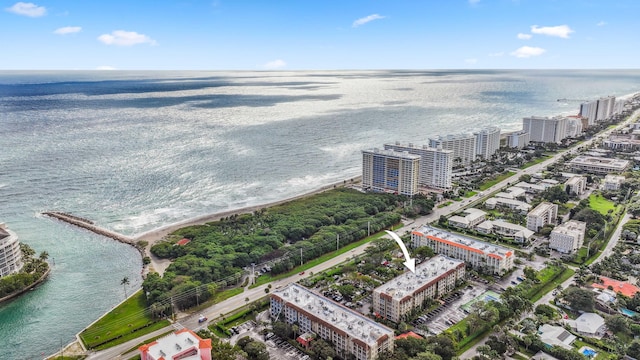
(542, 208)
(619, 287)
(597, 161)
(409, 282)
(464, 242)
(176, 343)
(391, 153)
(355, 324)
(571, 226)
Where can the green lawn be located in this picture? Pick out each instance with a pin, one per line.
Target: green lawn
(127, 321)
(535, 161)
(489, 183)
(470, 194)
(445, 204)
(600, 204)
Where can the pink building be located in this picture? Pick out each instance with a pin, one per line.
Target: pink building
(181, 345)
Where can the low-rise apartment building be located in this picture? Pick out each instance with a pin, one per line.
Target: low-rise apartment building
(432, 279)
(568, 237)
(517, 205)
(490, 257)
(598, 165)
(543, 214)
(503, 228)
(351, 333)
(182, 344)
(470, 218)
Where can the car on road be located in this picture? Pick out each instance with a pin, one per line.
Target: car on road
(301, 273)
(202, 319)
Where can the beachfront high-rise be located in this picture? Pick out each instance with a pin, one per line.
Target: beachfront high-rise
(462, 145)
(598, 110)
(350, 332)
(545, 129)
(433, 278)
(10, 254)
(390, 171)
(487, 141)
(436, 165)
(518, 139)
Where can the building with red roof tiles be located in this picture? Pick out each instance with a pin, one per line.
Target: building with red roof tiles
(183, 242)
(619, 287)
(183, 344)
(476, 253)
(408, 335)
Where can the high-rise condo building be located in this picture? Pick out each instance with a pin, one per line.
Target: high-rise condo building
(433, 278)
(462, 145)
(487, 141)
(545, 129)
(518, 139)
(436, 165)
(10, 254)
(351, 333)
(390, 171)
(489, 257)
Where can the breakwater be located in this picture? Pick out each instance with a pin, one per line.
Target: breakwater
(89, 225)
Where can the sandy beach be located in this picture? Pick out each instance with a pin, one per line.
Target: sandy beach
(153, 236)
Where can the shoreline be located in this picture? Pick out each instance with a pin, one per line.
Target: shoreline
(158, 234)
(20, 292)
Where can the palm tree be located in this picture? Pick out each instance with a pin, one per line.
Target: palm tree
(44, 256)
(124, 282)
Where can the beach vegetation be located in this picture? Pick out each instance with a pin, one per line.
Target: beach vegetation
(284, 235)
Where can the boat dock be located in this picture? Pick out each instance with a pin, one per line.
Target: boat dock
(89, 225)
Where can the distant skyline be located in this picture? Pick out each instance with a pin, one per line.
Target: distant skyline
(319, 35)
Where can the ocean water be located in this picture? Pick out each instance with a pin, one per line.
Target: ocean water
(136, 150)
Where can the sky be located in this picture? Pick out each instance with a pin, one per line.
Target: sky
(318, 35)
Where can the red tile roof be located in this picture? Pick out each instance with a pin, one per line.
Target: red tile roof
(184, 241)
(409, 334)
(619, 287)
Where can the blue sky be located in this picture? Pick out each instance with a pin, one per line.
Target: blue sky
(319, 35)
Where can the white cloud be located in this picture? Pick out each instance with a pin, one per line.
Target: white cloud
(522, 36)
(601, 23)
(67, 30)
(275, 64)
(528, 51)
(27, 9)
(366, 19)
(471, 61)
(125, 38)
(105, 67)
(562, 31)
(501, 53)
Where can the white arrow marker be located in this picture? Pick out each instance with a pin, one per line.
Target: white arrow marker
(409, 263)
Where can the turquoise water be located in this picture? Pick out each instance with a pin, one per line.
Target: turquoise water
(136, 150)
(629, 313)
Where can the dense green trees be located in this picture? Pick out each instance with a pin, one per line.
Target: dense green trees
(315, 225)
(579, 299)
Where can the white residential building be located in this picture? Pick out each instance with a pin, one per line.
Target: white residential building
(543, 214)
(478, 254)
(390, 171)
(545, 129)
(568, 237)
(598, 110)
(576, 185)
(487, 141)
(462, 145)
(612, 182)
(436, 164)
(183, 344)
(531, 188)
(574, 126)
(589, 110)
(552, 335)
(432, 279)
(10, 254)
(518, 233)
(350, 332)
(512, 192)
(588, 324)
(518, 205)
(469, 219)
(518, 139)
(598, 165)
